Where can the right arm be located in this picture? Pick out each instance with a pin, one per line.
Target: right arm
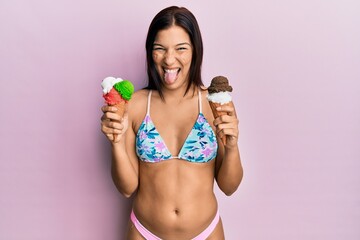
(124, 164)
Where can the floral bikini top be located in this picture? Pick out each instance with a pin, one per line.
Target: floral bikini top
(200, 145)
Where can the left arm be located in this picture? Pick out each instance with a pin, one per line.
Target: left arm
(228, 169)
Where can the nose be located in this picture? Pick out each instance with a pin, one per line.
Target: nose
(169, 57)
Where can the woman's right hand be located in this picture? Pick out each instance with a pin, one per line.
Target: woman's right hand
(112, 125)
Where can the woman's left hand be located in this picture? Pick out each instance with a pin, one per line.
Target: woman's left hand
(227, 125)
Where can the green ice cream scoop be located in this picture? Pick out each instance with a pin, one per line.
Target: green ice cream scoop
(125, 88)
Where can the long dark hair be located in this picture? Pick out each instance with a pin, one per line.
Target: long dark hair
(166, 18)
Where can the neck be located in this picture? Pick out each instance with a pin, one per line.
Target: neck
(179, 93)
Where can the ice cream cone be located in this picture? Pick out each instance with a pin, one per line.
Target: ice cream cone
(217, 113)
(117, 92)
(121, 107)
(218, 95)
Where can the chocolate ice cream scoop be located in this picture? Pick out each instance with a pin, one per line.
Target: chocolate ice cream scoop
(218, 95)
(219, 84)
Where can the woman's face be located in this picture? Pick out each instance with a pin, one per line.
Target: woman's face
(172, 54)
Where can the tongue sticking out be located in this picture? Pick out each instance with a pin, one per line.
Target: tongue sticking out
(170, 77)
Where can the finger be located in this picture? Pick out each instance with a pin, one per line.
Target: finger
(227, 132)
(110, 137)
(111, 116)
(125, 116)
(117, 138)
(225, 108)
(113, 124)
(109, 130)
(225, 126)
(107, 108)
(104, 118)
(225, 119)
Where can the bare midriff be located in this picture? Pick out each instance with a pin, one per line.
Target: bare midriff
(176, 197)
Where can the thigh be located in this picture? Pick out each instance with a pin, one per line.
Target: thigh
(133, 233)
(218, 233)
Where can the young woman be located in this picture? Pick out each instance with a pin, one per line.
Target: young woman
(168, 148)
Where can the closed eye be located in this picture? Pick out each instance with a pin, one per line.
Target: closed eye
(158, 47)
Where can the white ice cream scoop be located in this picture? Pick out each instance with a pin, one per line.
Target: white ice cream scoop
(219, 97)
(108, 83)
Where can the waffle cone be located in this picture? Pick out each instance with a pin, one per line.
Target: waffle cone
(216, 114)
(121, 107)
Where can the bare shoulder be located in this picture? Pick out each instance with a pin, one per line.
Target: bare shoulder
(139, 97)
(137, 106)
(205, 105)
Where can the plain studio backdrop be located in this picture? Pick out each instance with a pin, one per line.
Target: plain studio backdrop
(295, 69)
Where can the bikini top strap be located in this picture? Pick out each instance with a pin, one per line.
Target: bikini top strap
(148, 103)
(200, 105)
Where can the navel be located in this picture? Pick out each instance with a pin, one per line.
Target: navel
(176, 211)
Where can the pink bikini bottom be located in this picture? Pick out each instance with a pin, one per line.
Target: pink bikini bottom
(150, 236)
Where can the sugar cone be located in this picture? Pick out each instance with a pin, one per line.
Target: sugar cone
(216, 114)
(121, 107)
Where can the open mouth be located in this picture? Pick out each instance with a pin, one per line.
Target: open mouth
(170, 75)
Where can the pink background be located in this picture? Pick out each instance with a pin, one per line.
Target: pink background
(294, 66)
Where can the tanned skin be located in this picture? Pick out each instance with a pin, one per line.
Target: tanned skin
(174, 199)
